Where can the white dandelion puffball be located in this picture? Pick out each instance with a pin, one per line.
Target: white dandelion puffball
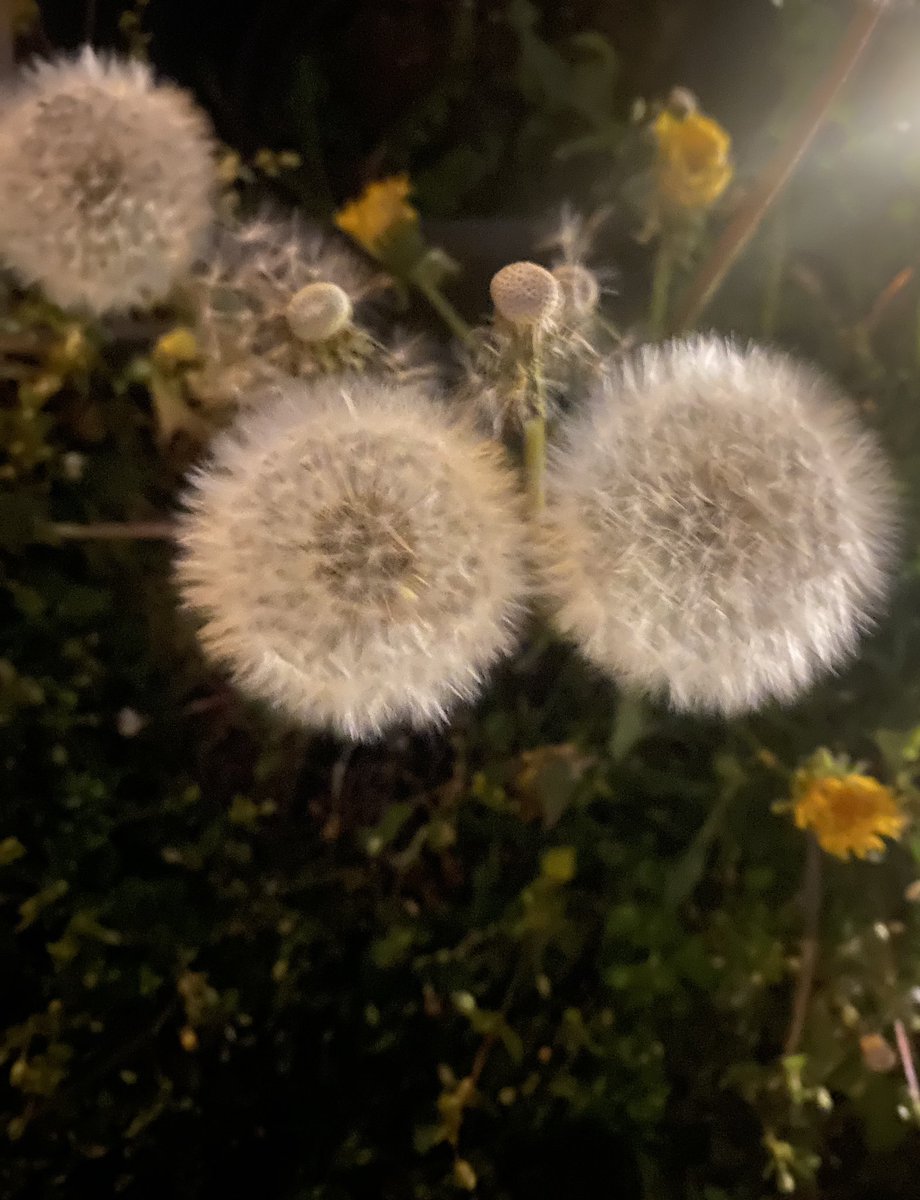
(525, 294)
(720, 526)
(356, 555)
(250, 307)
(106, 182)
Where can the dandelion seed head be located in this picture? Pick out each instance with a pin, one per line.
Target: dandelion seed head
(720, 527)
(356, 556)
(525, 294)
(107, 182)
(250, 301)
(318, 311)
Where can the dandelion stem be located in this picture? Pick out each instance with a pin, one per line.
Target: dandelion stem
(111, 531)
(779, 170)
(886, 297)
(661, 288)
(917, 337)
(534, 462)
(443, 307)
(907, 1062)
(811, 904)
(535, 429)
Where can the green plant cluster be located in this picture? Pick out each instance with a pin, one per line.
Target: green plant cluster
(551, 952)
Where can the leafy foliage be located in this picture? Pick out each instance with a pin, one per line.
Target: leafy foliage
(552, 953)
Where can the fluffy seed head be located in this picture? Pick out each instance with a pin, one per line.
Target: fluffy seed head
(720, 526)
(318, 312)
(356, 555)
(581, 291)
(250, 294)
(106, 182)
(525, 294)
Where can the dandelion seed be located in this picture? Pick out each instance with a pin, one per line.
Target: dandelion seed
(720, 527)
(356, 555)
(581, 291)
(106, 182)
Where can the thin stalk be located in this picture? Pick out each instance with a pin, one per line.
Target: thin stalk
(779, 170)
(111, 531)
(445, 310)
(917, 338)
(907, 1063)
(535, 462)
(661, 288)
(886, 297)
(535, 428)
(811, 904)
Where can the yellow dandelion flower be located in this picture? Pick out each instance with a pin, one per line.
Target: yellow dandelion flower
(693, 166)
(849, 814)
(382, 210)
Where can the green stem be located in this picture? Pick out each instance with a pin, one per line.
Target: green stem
(661, 288)
(630, 724)
(909, 1067)
(808, 960)
(535, 462)
(535, 429)
(917, 337)
(445, 310)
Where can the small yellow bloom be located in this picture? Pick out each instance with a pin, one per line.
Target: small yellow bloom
(693, 163)
(381, 210)
(176, 347)
(849, 814)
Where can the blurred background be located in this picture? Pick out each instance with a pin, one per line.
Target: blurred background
(554, 950)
